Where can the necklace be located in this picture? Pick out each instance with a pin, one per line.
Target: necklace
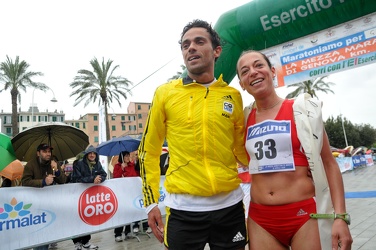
(270, 107)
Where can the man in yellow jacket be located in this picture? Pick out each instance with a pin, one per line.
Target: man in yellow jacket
(202, 119)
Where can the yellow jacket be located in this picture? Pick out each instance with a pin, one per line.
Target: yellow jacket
(204, 128)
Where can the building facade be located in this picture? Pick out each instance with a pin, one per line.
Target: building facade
(29, 118)
(131, 123)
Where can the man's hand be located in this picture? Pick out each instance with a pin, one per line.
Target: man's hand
(54, 166)
(156, 224)
(49, 179)
(97, 179)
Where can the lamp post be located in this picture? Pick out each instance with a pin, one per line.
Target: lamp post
(344, 131)
(32, 105)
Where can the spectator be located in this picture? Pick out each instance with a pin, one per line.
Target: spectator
(42, 171)
(87, 170)
(125, 168)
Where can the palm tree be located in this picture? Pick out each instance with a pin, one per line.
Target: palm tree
(100, 84)
(311, 87)
(15, 77)
(178, 74)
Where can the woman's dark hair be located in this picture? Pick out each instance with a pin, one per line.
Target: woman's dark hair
(121, 156)
(197, 23)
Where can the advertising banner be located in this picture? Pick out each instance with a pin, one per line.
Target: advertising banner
(340, 48)
(263, 24)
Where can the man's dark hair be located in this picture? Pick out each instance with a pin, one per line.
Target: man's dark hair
(197, 23)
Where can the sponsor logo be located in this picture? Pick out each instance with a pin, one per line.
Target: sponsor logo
(314, 39)
(139, 202)
(97, 205)
(348, 26)
(227, 97)
(289, 45)
(268, 128)
(228, 107)
(238, 237)
(367, 20)
(301, 212)
(17, 214)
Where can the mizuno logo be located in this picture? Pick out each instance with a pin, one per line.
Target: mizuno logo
(268, 127)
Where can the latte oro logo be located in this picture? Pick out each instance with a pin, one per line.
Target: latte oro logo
(97, 205)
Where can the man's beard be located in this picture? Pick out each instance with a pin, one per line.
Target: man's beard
(44, 162)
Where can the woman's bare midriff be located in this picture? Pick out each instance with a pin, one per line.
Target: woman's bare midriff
(282, 187)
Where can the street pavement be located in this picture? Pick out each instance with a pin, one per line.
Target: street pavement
(360, 188)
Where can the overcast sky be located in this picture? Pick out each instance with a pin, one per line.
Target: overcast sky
(59, 38)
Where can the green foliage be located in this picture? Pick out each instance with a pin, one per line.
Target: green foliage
(100, 85)
(356, 135)
(14, 76)
(178, 74)
(310, 87)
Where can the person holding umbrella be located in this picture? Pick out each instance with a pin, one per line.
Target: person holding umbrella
(42, 171)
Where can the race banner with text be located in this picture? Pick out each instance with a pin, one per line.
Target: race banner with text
(340, 48)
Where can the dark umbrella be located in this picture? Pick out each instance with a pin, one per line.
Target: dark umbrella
(117, 145)
(67, 141)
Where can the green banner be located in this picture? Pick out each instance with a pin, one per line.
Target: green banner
(261, 24)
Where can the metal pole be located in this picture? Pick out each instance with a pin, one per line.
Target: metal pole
(32, 104)
(344, 132)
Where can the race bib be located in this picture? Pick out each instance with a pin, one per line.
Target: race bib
(269, 147)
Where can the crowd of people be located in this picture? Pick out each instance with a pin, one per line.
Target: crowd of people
(210, 137)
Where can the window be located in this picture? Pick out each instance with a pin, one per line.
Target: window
(21, 118)
(123, 128)
(130, 128)
(113, 117)
(54, 118)
(83, 125)
(9, 131)
(77, 125)
(140, 125)
(139, 116)
(95, 128)
(113, 127)
(123, 117)
(5, 119)
(95, 117)
(96, 139)
(139, 107)
(134, 127)
(27, 118)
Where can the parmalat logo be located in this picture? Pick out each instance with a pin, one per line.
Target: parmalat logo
(17, 215)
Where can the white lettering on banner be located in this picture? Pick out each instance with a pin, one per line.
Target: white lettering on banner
(53, 213)
(302, 11)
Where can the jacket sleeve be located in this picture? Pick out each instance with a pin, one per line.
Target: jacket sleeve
(118, 172)
(239, 146)
(62, 178)
(28, 178)
(101, 172)
(150, 148)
